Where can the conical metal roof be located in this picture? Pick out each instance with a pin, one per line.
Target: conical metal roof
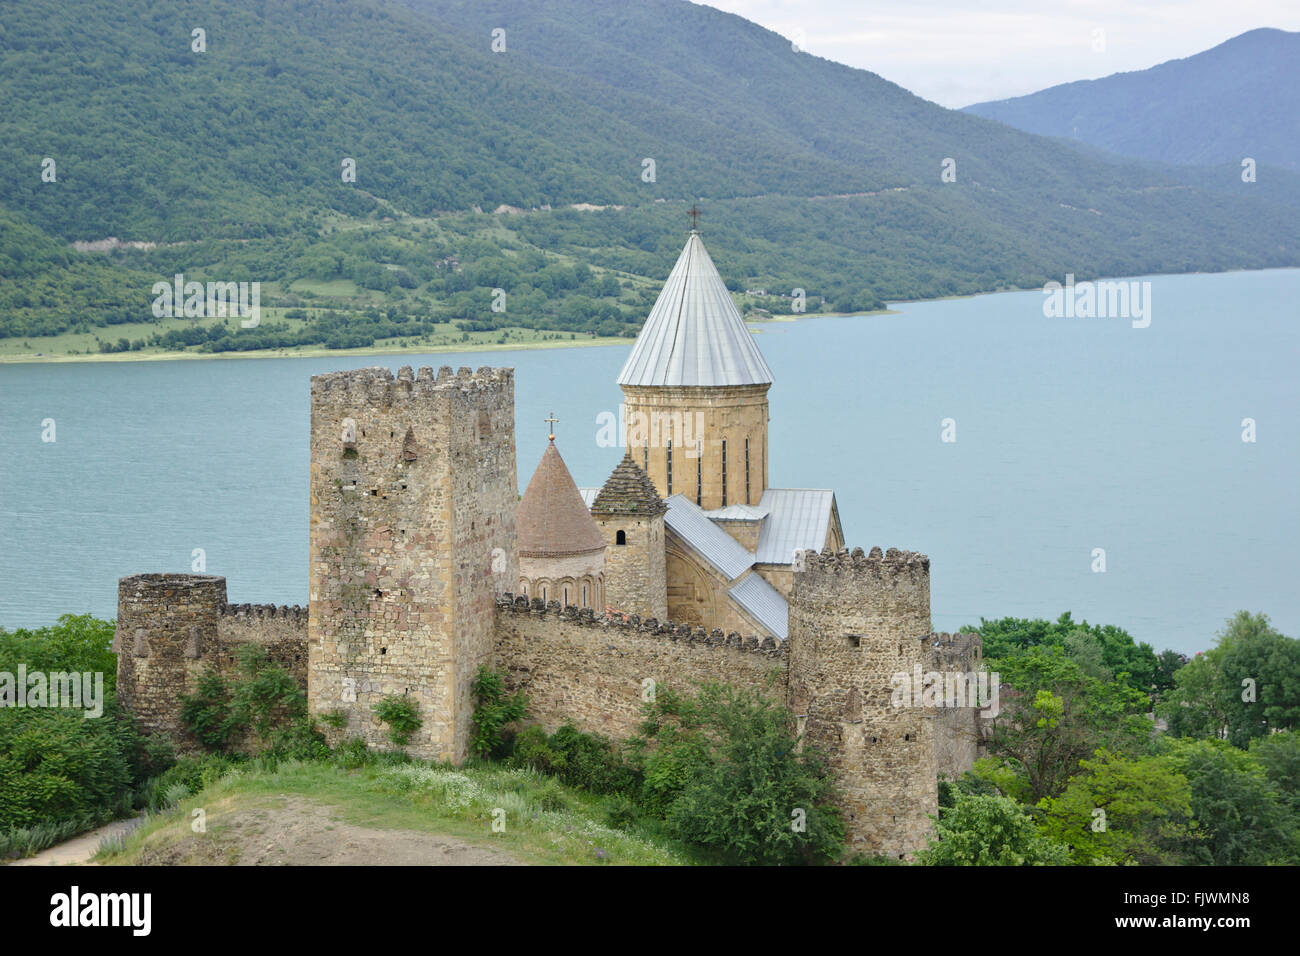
(552, 519)
(695, 335)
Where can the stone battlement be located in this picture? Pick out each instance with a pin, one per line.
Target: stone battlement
(683, 633)
(379, 385)
(958, 644)
(846, 559)
(289, 612)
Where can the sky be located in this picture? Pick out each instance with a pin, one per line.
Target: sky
(957, 53)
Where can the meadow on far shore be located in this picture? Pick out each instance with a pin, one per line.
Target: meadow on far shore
(478, 342)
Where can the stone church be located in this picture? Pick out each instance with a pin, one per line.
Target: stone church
(686, 527)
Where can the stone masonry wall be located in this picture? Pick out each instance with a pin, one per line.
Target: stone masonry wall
(698, 420)
(958, 730)
(575, 666)
(857, 620)
(171, 628)
(413, 493)
(636, 580)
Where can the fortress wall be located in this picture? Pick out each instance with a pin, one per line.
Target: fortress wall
(280, 631)
(857, 620)
(591, 671)
(172, 628)
(958, 731)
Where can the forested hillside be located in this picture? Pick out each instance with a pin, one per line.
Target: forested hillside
(227, 164)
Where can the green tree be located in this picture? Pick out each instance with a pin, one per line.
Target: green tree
(983, 830)
(1246, 819)
(754, 799)
(1123, 810)
(1245, 687)
(1056, 716)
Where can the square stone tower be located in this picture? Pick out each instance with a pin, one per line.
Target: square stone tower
(413, 494)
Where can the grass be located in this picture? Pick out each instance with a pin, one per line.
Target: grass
(82, 347)
(545, 822)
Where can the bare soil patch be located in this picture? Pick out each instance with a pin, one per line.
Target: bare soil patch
(294, 831)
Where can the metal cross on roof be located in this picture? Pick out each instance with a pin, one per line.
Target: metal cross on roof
(694, 214)
(551, 421)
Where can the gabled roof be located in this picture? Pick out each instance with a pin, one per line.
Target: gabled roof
(694, 335)
(628, 490)
(689, 522)
(552, 519)
(797, 518)
(763, 603)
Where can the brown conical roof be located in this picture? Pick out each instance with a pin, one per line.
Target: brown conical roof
(552, 519)
(629, 490)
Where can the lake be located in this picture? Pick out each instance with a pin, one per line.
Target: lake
(1072, 434)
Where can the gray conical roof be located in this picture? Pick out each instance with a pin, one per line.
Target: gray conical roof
(694, 335)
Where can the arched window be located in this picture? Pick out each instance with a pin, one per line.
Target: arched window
(621, 538)
(585, 602)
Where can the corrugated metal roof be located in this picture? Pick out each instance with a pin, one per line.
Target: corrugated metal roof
(686, 520)
(695, 335)
(763, 603)
(796, 518)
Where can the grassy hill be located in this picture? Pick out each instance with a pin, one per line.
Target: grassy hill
(226, 165)
(1241, 98)
(313, 814)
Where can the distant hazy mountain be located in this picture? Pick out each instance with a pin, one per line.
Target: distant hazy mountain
(1239, 99)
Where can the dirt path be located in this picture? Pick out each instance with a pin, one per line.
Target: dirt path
(287, 831)
(79, 849)
(296, 831)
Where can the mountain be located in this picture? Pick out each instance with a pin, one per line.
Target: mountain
(226, 163)
(1239, 99)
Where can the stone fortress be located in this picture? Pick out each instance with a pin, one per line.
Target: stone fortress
(684, 567)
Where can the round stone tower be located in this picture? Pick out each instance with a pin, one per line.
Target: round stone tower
(165, 624)
(859, 628)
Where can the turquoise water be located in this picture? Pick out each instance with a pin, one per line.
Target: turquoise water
(1072, 434)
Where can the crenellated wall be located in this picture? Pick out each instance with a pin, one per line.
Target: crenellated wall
(173, 627)
(593, 671)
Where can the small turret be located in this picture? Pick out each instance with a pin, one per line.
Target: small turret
(630, 514)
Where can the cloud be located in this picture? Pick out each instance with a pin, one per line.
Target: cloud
(956, 55)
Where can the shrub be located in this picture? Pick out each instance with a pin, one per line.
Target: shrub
(583, 760)
(261, 708)
(61, 772)
(493, 711)
(401, 715)
(755, 800)
(982, 830)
